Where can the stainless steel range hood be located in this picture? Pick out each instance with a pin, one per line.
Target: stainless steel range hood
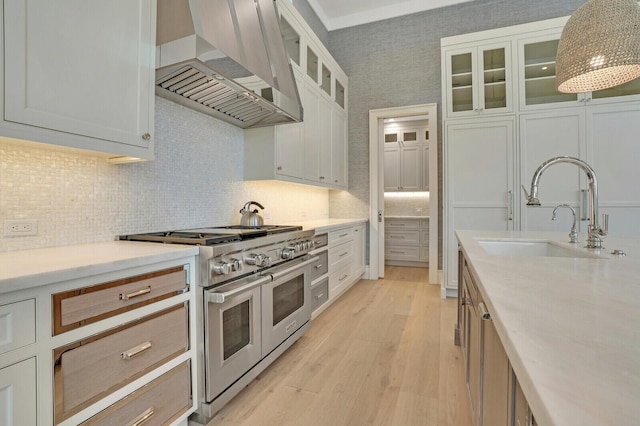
(226, 58)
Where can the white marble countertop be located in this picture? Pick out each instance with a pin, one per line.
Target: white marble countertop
(24, 269)
(570, 326)
(325, 225)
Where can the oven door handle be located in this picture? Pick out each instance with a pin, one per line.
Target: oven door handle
(287, 271)
(215, 296)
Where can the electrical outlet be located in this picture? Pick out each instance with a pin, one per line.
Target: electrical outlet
(20, 227)
(418, 209)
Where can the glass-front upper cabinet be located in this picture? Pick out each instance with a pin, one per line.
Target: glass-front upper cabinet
(340, 95)
(537, 62)
(291, 41)
(312, 64)
(478, 80)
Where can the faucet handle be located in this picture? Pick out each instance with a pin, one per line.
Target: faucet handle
(604, 229)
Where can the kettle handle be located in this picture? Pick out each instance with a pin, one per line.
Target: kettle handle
(254, 202)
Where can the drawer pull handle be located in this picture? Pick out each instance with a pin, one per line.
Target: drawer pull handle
(397, 252)
(342, 279)
(344, 254)
(319, 295)
(142, 291)
(142, 418)
(397, 236)
(343, 235)
(319, 266)
(135, 350)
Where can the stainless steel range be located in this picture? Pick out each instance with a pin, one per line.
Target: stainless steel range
(255, 301)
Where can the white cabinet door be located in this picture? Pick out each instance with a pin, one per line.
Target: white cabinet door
(324, 140)
(479, 183)
(339, 149)
(392, 169)
(478, 80)
(359, 241)
(544, 136)
(613, 152)
(83, 70)
(18, 394)
(425, 168)
(311, 105)
(410, 168)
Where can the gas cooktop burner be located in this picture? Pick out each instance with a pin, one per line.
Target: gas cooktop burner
(211, 236)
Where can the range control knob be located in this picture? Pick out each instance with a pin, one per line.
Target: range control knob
(221, 268)
(287, 253)
(235, 264)
(258, 260)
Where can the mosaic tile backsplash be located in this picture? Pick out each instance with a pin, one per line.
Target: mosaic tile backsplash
(196, 180)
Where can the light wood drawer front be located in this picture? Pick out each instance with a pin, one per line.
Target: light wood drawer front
(157, 403)
(73, 309)
(319, 294)
(411, 254)
(340, 255)
(340, 235)
(321, 267)
(402, 224)
(88, 370)
(17, 325)
(409, 238)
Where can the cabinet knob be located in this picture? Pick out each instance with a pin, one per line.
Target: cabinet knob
(321, 177)
(279, 168)
(146, 136)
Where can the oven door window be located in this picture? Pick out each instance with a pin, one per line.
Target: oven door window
(236, 328)
(288, 297)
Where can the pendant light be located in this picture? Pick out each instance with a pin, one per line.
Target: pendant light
(599, 47)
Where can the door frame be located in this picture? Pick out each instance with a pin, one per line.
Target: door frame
(376, 186)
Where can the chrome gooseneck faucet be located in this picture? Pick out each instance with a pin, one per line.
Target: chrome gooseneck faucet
(595, 232)
(573, 233)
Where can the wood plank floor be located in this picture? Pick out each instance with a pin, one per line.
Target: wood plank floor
(383, 354)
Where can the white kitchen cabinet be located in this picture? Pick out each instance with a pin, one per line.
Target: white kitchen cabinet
(80, 74)
(425, 167)
(402, 169)
(406, 242)
(313, 152)
(477, 79)
(537, 85)
(359, 249)
(403, 137)
(480, 183)
(18, 403)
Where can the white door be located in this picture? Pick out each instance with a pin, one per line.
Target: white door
(544, 136)
(18, 394)
(479, 183)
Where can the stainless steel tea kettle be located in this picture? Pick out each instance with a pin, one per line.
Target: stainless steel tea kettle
(251, 218)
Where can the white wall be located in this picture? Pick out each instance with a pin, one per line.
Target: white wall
(196, 180)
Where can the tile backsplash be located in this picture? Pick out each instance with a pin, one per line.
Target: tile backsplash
(196, 180)
(406, 204)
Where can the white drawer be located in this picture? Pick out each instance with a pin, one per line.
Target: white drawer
(424, 254)
(340, 256)
(406, 253)
(340, 236)
(424, 223)
(397, 237)
(402, 224)
(338, 280)
(17, 325)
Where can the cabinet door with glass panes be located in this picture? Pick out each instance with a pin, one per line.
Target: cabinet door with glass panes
(478, 80)
(537, 85)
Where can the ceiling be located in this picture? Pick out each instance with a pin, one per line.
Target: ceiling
(336, 14)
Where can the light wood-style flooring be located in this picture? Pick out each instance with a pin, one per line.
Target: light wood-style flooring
(383, 354)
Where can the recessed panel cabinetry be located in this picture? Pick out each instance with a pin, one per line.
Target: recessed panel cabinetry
(406, 241)
(313, 152)
(488, 157)
(406, 157)
(114, 348)
(58, 89)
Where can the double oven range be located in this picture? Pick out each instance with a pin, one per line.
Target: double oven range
(254, 301)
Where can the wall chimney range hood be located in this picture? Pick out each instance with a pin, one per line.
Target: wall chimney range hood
(226, 58)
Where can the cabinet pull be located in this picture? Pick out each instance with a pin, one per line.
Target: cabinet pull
(396, 236)
(136, 293)
(342, 279)
(397, 252)
(137, 350)
(510, 205)
(146, 136)
(343, 235)
(319, 266)
(319, 295)
(343, 254)
(484, 313)
(142, 418)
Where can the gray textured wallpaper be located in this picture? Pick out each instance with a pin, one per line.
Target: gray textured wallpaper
(396, 62)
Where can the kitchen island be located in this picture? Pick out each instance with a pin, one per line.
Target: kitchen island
(570, 326)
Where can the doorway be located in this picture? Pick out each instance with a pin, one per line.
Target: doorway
(376, 169)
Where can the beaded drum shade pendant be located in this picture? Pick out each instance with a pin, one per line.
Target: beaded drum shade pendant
(599, 47)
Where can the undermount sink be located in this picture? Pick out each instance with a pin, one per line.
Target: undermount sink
(532, 248)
